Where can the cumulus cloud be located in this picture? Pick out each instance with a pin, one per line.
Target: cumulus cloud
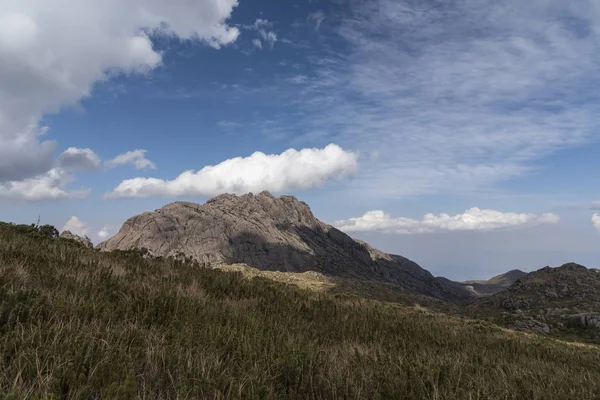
(103, 233)
(52, 53)
(474, 219)
(52, 185)
(136, 158)
(289, 170)
(74, 158)
(48, 186)
(76, 226)
(257, 43)
(596, 221)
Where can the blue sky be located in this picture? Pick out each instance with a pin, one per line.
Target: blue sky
(463, 135)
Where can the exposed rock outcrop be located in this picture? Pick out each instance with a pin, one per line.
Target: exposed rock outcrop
(84, 240)
(270, 233)
(585, 320)
(568, 295)
(568, 286)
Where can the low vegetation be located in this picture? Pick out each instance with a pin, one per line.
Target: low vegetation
(76, 323)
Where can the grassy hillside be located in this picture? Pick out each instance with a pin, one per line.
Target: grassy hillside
(79, 324)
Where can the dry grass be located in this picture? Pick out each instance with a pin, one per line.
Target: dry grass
(79, 324)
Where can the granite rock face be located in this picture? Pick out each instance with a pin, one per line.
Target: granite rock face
(84, 240)
(270, 233)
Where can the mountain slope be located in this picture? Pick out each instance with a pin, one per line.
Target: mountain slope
(81, 324)
(551, 299)
(270, 233)
(570, 286)
(494, 284)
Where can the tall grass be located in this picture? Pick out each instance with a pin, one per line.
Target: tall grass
(79, 324)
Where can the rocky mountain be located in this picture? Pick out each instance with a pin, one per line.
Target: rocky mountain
(270, 233)
(84, 240)
(494, 284)
(562, 297)
(568, 286)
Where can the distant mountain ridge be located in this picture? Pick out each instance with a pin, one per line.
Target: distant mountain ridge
(495, 284)
(569, 286)
(271, 233)
(550, 298)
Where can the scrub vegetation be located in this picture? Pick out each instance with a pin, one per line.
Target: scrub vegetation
(76, 323)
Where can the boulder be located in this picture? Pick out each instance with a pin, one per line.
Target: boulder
(584, 320)
(84, 240)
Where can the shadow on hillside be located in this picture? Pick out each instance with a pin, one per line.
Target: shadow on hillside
(332, 253)
(335, 254)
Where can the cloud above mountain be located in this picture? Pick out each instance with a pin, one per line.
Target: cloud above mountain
(74, 158)
(52, 185)
(52, 54)
(137, 158)
(596, 221)
(290, 170)
(474, 219)
(76, 226)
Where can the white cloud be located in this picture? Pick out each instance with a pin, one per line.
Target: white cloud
(48, 186)
(52, 53)
(103, 233)
(76, 226)
(474, 219)
(596, 221)
(134, 157)
(264, 29)
(74, 158)
(457, 96)
(289, 170)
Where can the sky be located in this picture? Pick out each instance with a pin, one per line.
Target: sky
(463, 135)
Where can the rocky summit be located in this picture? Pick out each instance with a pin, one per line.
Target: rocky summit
(84, 240)
(271, 233)
(568, 286)
(550, 298)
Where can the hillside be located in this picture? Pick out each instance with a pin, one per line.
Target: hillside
(561, 299)
(494, 284)
(270, 233)
(76, 323)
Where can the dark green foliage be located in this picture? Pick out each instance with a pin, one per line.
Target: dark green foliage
(79, 324)
(48, 231)
(44, 231)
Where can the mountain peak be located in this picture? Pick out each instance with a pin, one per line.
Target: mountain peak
(270, 233)
(573, 267)
(553, 287)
